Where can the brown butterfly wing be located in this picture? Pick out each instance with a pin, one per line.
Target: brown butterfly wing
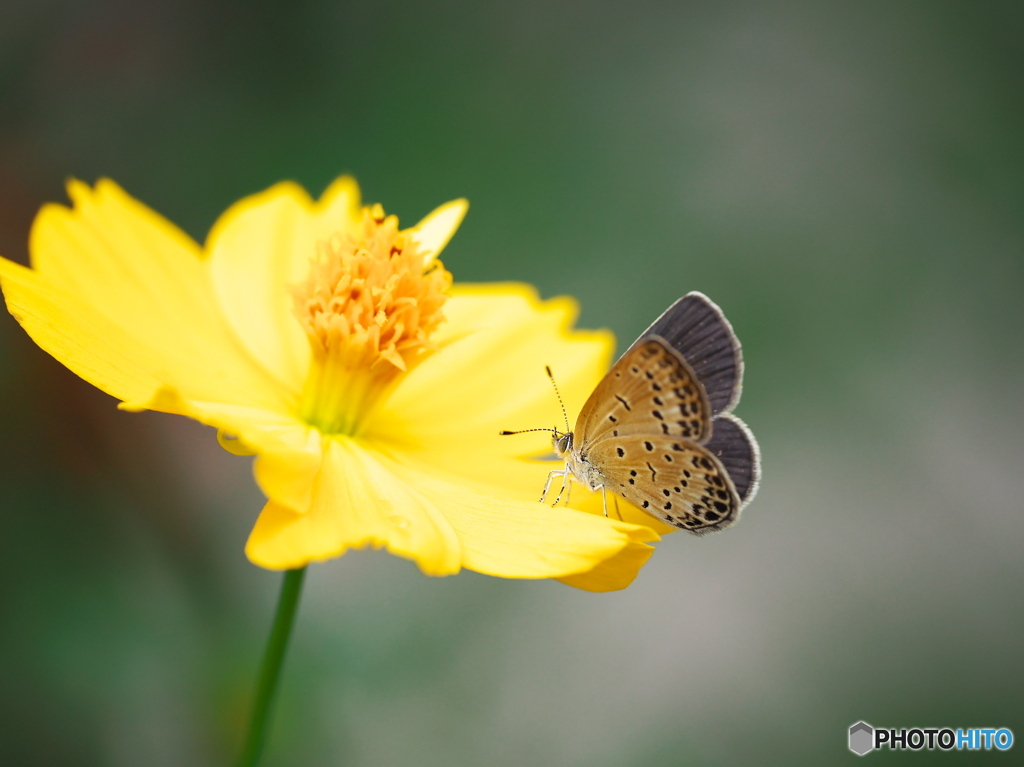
(650, 390)
(671, 478)
(642, 430)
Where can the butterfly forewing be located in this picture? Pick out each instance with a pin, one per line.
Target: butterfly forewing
(650, 390)
(670, 478)
(697, 328)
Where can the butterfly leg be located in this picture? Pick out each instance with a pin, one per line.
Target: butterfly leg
(547, 485)
(565, 486)
(618, 513)
(604, 500)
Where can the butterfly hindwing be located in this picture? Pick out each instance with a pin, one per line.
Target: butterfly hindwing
(650, 389)
(671, 478)
(736, 449)
(696, 328)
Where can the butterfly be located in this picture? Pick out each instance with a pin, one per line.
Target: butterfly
(659, 430)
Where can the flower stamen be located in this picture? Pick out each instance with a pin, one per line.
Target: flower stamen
(368, 307)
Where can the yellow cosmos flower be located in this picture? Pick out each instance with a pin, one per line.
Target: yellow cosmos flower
(330, 343)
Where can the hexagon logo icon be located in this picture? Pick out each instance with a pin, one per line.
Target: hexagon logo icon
(862, 738)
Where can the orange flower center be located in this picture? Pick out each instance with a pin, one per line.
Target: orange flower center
(369, 307)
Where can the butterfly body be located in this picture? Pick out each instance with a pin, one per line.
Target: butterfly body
(582, 470)
(658, 429)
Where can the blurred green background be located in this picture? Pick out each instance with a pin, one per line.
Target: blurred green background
(845, 179)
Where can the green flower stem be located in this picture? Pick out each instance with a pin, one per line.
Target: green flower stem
(273, 659)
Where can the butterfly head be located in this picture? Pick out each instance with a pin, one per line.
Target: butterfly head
(562, 442)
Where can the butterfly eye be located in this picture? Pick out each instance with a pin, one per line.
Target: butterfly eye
(563, 443)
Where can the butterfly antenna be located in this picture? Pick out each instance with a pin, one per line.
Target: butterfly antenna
(547, 369)
(507, 433)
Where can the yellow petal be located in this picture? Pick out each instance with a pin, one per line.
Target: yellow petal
(258, 249)
(614, 573)
(341, 201)
(117, 259)
(487, 475)
(356, 502)
(287, 477)
(92, 346)
(519, 539)
(437, 228)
